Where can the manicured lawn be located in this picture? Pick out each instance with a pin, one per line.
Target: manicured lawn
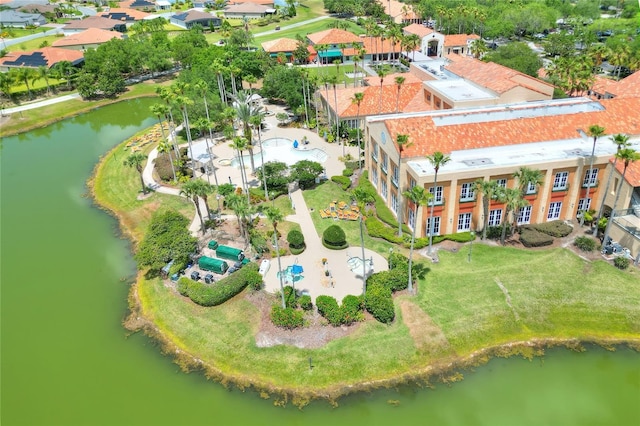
(10, 33)
(303, 31)
(339, 71)
(34, 44)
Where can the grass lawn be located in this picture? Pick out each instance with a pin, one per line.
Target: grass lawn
(303, 31)
(39, 117)
(339, 71)
(34, 44)
(10, 33)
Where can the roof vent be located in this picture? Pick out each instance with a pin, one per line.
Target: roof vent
(478, 162)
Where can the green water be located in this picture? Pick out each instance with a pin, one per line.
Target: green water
(66, 360)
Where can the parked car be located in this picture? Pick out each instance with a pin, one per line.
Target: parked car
(277, 28)
(209, 279)
(195, 275)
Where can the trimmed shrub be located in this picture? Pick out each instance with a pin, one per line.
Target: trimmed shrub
(530, 237)
(256, 195)
(377, 229)
(379, 303)
(495, 232)
(352, 307)
(556, 228)
(162, 165)
(460, 237)
(621, 263)
(225, 289)
(295, 239)
(305, 302)
(290, 297)
(334, 238)
(343, 181)
(258, 241)
(397, 259)
(286, 318)
(353, 165)
(395, 279)
(329, 309)
(585, 243)
(347, 172)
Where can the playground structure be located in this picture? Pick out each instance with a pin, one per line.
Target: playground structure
(359, 267)
(292, 273)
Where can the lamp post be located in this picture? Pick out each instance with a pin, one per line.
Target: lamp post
(219, 211)
(473, 237)
(390, 253)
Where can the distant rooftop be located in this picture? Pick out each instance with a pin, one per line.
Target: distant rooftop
(460, 90)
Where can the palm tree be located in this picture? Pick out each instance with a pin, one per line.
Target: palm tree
(621, 141)
(513, 201)
(64, 70)
(478, 48)
(218, 68)
(357, 99)
(240, 144)
(382, 73)
(595, 132)
(394, 34)
(489, 190)
(356, 59)
(527, 177)
(419, 197)
(274, 215)
(25, 75)
(412, 42)
(256, 122)
(403, 142)
(399, 82)
(204, 190)
(627, 156)
(183, 102)
(191, 189)
(437, 160)
(136, 160)
(43, 72)
(251, 80)
(240, 207)
(167, 96)
(325, 79)
(362, 197)
(165, 147)
(334, 81)
(244, 111)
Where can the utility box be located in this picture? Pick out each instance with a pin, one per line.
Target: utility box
(214, 265)
(229, 253)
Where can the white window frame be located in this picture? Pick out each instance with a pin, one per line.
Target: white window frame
(438, 197)
(436, 226)
(495, 217)
(384, 189)
(395, 175)
(384, 166)
(560, 181)
(524, 215)
(555, 208)
(590, 178)
(411, 218)
(466, 192)
(374, 151)
(464, 222)
(581, 204)
(502, 183)
(531, 188)
(412, 183)
(394, 203)
(374, 177)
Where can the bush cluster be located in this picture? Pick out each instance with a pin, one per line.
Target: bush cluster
(305, 302)
(530, 237)
(556, 228)
(585, 243)
(349, 312)
(495, 232)
(347, 172)
(379, 303)
(334, 238)
(621, 263)
(258, 241)
(295, 239)
(396, 260)
(223, 290)
(288, 318)
(343, 181)
(290, 300)
(256, 195)
(375, 228)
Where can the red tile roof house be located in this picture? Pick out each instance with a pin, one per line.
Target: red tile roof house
(330, 44)
(94, 22)
(87, 39)
(47, 56)
(248, 10)
(606, 88)
(286, 46)
(492, 143)
(401, 13)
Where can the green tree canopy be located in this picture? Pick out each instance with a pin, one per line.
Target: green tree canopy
(306, 172)
(517, 56)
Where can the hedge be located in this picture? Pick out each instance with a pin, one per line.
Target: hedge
(375, 228)
(379, 303)
(556, 228)
(305, 302)
(585, 243)
(349, 312)
(530, 237)
(621, 263)
(343, 181)
(395, 279)
(352, 307)
(397, 259)
(347, 172)
(329, 309)
(287, 318)
(290, 297)
(296, 241)
(223, 290)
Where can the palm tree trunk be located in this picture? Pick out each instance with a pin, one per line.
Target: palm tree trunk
(358, 136)
(485, 208)
(399, 197)
(593, 150)
(264, 177)
(413, 239)
(433, 204)
(364, 278)
(144, 187)
(275, 239)
(504, 226)
(185, 117)
(196, 201)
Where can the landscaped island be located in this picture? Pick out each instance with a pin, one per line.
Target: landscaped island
(506, 301)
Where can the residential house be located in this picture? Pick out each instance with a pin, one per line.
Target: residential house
(459, 43)
(163, 6)
(46, 57)
(38, 8)
(333, 41)
(195, 17)
(400, 13)
(126, 15)
(11, 18)
(144, 5)
(87, 39)
(492, 143)
(606, 88)
(247, 11)
(94, 22)
(285, 46)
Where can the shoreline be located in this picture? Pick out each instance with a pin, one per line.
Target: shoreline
(445, 370)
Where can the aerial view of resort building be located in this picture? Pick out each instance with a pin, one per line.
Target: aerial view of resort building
(331, 211)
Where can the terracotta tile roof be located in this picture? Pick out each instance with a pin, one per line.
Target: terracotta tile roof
(371, 103)
(376, 45)
(334, 36)
(390, 79)
(52, 55)
(633, 172)
(135, 15)
(90, 36)
(453, 40)
(419, 30)
(396, 9)
(493, 76)
(429, 137)
(280, 45)
(93, 22)
(630, 86)
(604, 85)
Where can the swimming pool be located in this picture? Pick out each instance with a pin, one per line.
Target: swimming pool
(281, 149)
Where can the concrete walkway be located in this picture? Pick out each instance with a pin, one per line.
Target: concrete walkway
(296, 25)
(34, 105)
